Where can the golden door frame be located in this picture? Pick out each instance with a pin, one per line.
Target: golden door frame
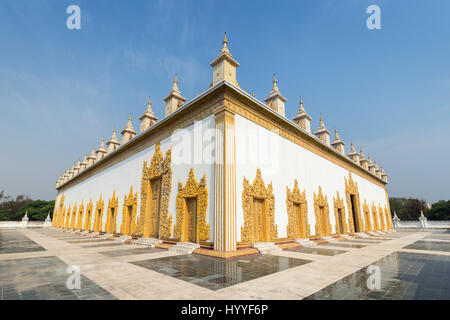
(376, 221)
(80, 216)
(338, 203)
(258, 190)
(67, 217)
(73, 217)
(388, 217)
(128, 227)
(160, 168)
(59, 210)
(297, 228)
(351, 189)
(384, 224)
(88, 216)
(98, 216)
(366, 213)
(321, 207)
(60, 223)
(192, 189)
(111, 222)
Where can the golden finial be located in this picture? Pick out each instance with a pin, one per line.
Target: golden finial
(114, 130)
(321, 119)
(176, 78)
(149, 100)
(253, 93)
(274, 78)
(225, 41)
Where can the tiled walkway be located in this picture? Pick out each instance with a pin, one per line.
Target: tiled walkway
(35, 264)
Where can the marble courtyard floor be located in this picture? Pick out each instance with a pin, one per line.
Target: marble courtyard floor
(34, 265)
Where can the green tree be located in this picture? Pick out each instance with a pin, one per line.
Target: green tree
(37, 210)
(439, 210)
(408, 209)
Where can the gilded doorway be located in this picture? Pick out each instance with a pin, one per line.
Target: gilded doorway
(192, 204)
(376, 224)
(73, 217)
(87, 221)
(79, 225)
(366, 212)
(128, 226)
(67, 217)
(111, 218)
(339, 214)
(355, 221)
(297, 208)
(258, 203)
(154, 219)
(322, 213)
(98, 219)
(380, 213)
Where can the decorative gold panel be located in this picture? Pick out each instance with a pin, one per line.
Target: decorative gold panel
(67, 217)
(388, 217)
(322, 212)
(258, 191)
(366, 212)
(98, 214)
(73, 216)
(128, 226)
(88, 216)
(160, 168)
(80, 217)
(339, 206)
(111, 218)
(380, 213)
(376, 223)
(57, 218)
(351, 189)
(297, 209)
(191, 190)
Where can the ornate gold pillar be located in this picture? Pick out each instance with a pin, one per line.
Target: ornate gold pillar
(225, 182)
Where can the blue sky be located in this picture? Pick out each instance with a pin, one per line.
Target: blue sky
(388, 90)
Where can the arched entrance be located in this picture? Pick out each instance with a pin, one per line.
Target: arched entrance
(297, 209)
(154, 220)
(355, 221)
(80, 216)
(98, 218)
(339, 215)
(128, 226)
(111, 218)
(192, 204)
(258, 203)
(322, 212)
(88, 218)
(367, 218)
(376, 221)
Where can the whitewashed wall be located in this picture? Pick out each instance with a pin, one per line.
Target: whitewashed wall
(192, 147)
(281, 161)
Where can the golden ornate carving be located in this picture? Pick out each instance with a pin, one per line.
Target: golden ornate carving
(111, 218)
(98, 214)
(80, 216)
(258, 191)
(351, 189)
(366, 212)
(128, 226)
(191, 190)
(339, 208)
(88, 218)
(67, 218)
(376, 224)
(322, 213)
(388, 217)
(59, 212)
(297, 209)
(380, 213)
(73, 216)
(160, 168)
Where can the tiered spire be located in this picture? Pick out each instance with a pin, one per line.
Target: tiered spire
(101, 152)
(362, 160)
(338, 144)
(224, 66)
(174, 100)
(275, 100)
(148, 119)
(370, 165)
(92, 158)
(302, 118)
(77, 168)
(383, 175)
(322, 133)
(113, 143)
(128, 133)
(377, 170)
(84, 163)
(353, 154)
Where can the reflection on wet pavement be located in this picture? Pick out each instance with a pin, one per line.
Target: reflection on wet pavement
(13, 241)
(215, 273)
(312, 250)
(405, 276)
(429, 245)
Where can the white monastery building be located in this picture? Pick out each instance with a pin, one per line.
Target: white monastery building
(221, 174)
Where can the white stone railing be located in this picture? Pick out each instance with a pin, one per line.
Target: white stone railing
(25, 223)
(422, 223)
